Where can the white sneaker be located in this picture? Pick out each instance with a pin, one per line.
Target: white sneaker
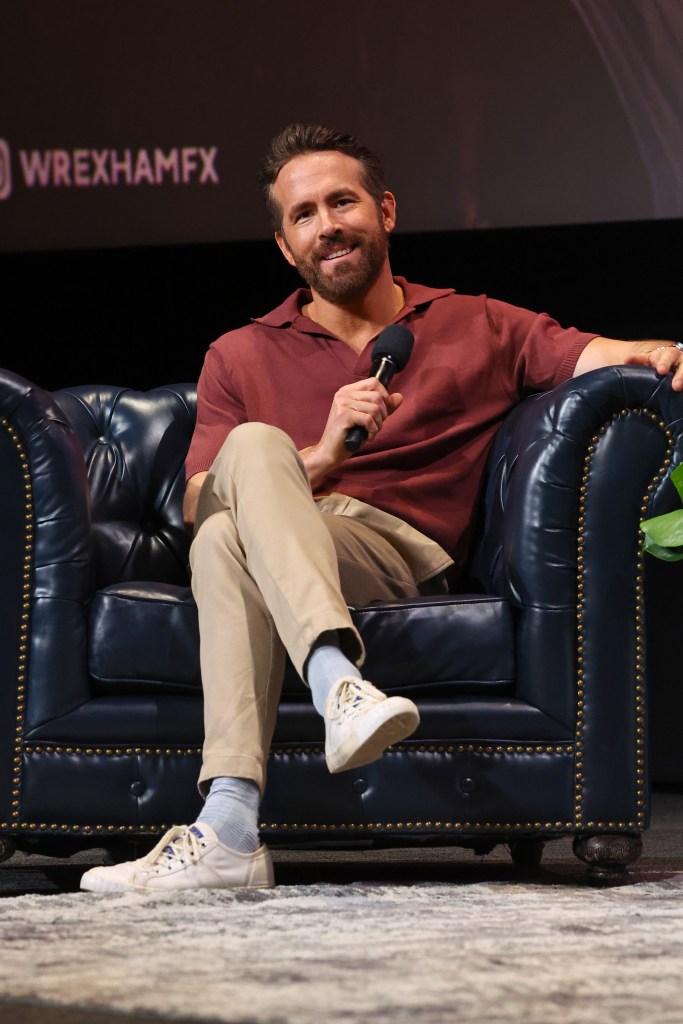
(361, 722)
(188, 857)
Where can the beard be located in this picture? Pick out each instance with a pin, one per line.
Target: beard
(345, 283)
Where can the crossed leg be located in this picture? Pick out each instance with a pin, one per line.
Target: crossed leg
(271, 574)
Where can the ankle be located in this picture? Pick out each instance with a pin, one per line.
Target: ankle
(231, 809)
(326, 666)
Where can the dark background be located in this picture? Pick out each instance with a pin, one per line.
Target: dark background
(144, 316)
(487, 114)
(553, 129)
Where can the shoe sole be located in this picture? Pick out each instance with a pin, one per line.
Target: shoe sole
(351, 754)
(102, 885)
(94, 882)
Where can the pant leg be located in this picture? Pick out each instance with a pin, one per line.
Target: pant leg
(241, 656)
(266, 582)
(266, 577)
(259, 478)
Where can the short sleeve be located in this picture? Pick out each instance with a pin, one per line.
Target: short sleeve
(219, 409)
(533, 351)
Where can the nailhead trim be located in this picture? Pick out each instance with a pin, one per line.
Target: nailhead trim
(640, 700)
(89, 829)
(456, 827)
(640, 695)
(83, 829)
(565, 750)
(446, 748)
(113, 751)
(24, 629)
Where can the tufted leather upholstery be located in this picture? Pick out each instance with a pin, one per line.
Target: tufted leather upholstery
(531, 686)
(134, 448)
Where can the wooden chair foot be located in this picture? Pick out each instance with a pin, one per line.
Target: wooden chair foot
(7, 848)
(527, 855)
(608, 856)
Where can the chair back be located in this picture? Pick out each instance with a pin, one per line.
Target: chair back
(134, 444)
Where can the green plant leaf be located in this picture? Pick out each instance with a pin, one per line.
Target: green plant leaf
(666, 531)
(665, 554)
(677, 480)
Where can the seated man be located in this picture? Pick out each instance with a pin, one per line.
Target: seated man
(289, 528)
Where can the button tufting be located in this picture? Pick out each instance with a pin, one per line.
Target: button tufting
(468, 785)
(359, 785)
(137, 788)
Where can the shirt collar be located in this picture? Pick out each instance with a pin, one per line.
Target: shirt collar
(289, 312)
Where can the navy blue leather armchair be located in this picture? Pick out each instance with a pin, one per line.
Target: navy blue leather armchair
(531, 686)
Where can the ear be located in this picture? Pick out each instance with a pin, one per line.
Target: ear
(388, 208)
(284, 248)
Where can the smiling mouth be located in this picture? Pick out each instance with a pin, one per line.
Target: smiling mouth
(339, 253)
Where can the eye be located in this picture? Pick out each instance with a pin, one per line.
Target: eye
(301, 215)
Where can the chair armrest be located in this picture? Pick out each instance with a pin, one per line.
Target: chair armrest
(571, 475)
(621, 427)
(45, 557)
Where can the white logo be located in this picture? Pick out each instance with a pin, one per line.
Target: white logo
(85, 168)
(79, 168)
(5, 170)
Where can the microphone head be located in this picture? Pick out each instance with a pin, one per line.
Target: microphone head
(395, 342)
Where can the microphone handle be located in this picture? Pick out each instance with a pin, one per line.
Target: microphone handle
(384, 374)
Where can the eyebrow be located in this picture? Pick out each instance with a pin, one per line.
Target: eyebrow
(338, 193)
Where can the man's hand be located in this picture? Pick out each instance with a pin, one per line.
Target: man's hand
(192, 489)
(364, 403)
(664, 356)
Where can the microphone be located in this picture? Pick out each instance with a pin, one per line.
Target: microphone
(390, 353)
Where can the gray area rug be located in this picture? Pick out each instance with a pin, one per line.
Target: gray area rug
(365, 951)
(426, 936)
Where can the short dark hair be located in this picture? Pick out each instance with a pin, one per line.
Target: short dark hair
(297, 140)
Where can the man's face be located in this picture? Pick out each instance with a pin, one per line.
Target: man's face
(333, 231)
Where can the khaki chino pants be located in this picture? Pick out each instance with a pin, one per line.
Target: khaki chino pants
(272, 570)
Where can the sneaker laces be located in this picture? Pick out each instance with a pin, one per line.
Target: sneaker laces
(354, 696)
(179, 843)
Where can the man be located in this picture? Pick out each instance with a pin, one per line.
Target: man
(290, 530)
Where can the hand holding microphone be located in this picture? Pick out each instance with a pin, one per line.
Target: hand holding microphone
(390, 353)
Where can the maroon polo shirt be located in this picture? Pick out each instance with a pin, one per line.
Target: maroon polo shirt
(474, 358)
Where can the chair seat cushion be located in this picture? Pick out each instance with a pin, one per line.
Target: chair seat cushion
(144, 638)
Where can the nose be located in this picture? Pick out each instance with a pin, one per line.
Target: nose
(328, 225)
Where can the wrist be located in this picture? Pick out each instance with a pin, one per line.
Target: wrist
(316, 464)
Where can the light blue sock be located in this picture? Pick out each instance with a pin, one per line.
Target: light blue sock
(325, 666)
(231, 809)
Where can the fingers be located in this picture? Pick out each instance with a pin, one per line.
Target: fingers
(664, 359)
(668, 359)
(369, 412)
(378, 412)
(364, 403)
